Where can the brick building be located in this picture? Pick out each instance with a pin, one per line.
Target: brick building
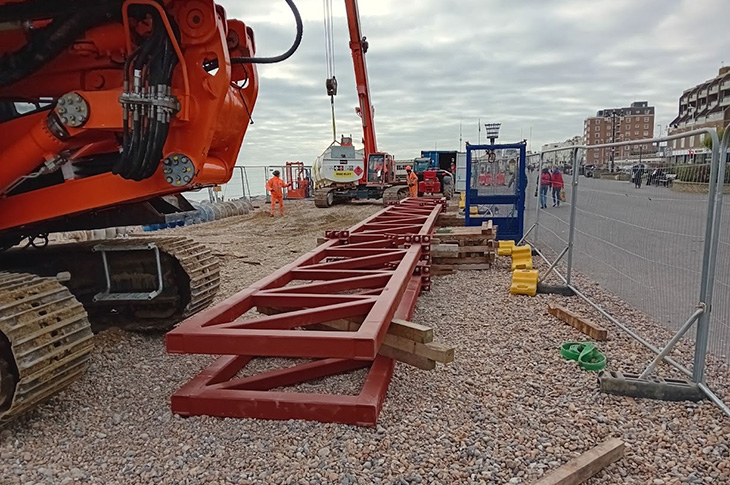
(634, 122)
(706, 105)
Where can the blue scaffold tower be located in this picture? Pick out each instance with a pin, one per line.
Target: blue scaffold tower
(496, 182)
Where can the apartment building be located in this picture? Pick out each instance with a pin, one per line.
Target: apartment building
(633, 122)
(706, 105)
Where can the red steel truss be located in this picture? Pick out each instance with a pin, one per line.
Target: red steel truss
(370, 274)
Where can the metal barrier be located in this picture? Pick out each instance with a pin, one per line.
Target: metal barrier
(654, 245)
(248, 181)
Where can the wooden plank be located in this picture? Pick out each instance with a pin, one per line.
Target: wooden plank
(431, 350)
(412, 331)
(451, 219)
(459, 230)
(463, 260)
(444, 248)
(405, 341)
(473, 266)
(401, 328)
(455, 249)
(451, 223)
(401, 355)
(464, 232)
(406, 358)
(441, 269)
(580, 469)
(463, 240)
(461, 243)
(437, 269)
(586, 326)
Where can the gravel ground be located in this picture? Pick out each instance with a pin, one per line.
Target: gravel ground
(508, 410)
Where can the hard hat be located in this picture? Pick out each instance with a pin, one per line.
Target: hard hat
(408, 167)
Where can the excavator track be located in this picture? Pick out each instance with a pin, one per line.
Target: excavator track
(190, 278)
(45, 341)
(324, 197)
(394, 194)
(201, 266)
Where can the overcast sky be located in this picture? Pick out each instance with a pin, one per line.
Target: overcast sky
(533, 65)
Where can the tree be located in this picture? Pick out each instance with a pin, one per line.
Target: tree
(708, 140)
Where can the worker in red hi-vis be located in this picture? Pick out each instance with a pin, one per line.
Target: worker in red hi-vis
(412, 180)
(276, 187)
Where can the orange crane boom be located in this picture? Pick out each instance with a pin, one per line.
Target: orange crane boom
(372, 177)
(358, 48)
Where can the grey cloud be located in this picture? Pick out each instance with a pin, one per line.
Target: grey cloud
(532, 64)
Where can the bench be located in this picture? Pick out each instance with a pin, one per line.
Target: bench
(666, 180)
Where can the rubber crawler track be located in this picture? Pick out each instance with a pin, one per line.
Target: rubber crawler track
(45, 344)
(394, 194)
(320, 197)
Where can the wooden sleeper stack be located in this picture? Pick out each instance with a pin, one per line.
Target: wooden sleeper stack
(463, 248)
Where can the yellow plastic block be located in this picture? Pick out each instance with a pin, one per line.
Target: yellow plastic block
(524, 282)
(521, 257)
(505, 248)
(462, 201)
(474, 210)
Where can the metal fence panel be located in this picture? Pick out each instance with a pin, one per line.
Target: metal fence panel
(247, 181)
(720, 317)
(648, 234)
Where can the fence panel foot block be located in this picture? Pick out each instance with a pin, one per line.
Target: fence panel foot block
(651, 387)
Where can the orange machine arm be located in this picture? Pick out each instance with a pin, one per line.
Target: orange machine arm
(55, 162)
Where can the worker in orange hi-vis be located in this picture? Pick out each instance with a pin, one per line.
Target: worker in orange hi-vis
(276, 187)
(412, 180)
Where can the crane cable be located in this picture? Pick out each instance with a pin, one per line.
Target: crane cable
(329, 42)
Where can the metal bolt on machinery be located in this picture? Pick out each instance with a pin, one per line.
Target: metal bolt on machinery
(370, 274)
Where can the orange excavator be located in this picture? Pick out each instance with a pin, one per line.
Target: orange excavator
(109, 110)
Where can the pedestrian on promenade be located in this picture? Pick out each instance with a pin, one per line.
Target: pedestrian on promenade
(637, 177)
(544, 187)
(556, 182)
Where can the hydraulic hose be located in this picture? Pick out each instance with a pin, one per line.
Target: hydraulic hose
(153, 65)
(285, 55)
(209, 66)
(50, 42)
(44, 9)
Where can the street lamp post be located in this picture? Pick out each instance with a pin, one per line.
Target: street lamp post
(613, 138)
(492, 131)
